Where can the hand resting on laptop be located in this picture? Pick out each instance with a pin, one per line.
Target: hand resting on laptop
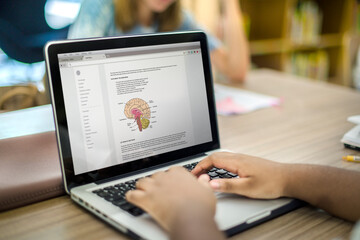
(185, 208)
(181, 205)
(333, 189)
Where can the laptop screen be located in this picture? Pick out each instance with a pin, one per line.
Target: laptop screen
(133, 104)
(126, 104)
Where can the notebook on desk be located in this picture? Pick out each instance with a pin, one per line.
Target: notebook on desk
(126, 107)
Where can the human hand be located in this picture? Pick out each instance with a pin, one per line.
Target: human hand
(173, 196)
(258, 178)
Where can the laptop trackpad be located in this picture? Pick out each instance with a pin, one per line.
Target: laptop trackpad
(233, 210)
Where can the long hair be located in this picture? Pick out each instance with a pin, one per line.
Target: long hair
(126, 15)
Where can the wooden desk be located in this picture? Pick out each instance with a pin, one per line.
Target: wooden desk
(306, 128)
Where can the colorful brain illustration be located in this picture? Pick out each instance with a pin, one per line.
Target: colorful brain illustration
(139, 110)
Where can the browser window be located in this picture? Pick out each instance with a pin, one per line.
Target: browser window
(131, 103)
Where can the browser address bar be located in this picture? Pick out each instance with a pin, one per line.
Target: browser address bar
(122, 59)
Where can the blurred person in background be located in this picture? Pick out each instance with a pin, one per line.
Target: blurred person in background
(105, 18)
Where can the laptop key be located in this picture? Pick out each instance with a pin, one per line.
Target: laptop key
(132, 209)
(226, 175)
(190, 166)
(232, 174)
(126, 206)
(102, 194)
(213, 174)
(136, 211)
(221, 171)
(119, 202)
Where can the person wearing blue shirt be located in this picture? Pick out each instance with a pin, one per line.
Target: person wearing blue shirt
(105, 18)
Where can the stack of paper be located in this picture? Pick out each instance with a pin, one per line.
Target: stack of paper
(230, 101)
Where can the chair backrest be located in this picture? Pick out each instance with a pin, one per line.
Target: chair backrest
(24, 30)
(27, 16)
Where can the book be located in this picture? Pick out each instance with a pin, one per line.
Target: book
(314, 65)
(306, 22)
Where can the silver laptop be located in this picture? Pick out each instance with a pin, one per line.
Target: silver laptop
(126, 107)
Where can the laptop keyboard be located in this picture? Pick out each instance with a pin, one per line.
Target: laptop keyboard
(116, 193)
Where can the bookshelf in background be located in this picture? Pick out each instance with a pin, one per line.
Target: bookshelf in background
(313, 38)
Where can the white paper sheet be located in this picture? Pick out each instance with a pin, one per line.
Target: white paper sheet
(231, 101)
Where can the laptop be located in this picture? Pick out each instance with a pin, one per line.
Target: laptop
(127, 107)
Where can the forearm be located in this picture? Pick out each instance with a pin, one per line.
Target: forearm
(335, 190)
(235, 40)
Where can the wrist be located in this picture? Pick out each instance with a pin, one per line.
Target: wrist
(287, 173)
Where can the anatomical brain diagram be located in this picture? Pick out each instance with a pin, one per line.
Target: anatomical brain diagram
(139, 110)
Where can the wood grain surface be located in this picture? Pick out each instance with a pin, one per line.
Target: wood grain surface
(306, 128)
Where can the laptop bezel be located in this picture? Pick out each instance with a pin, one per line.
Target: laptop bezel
(51, 51)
